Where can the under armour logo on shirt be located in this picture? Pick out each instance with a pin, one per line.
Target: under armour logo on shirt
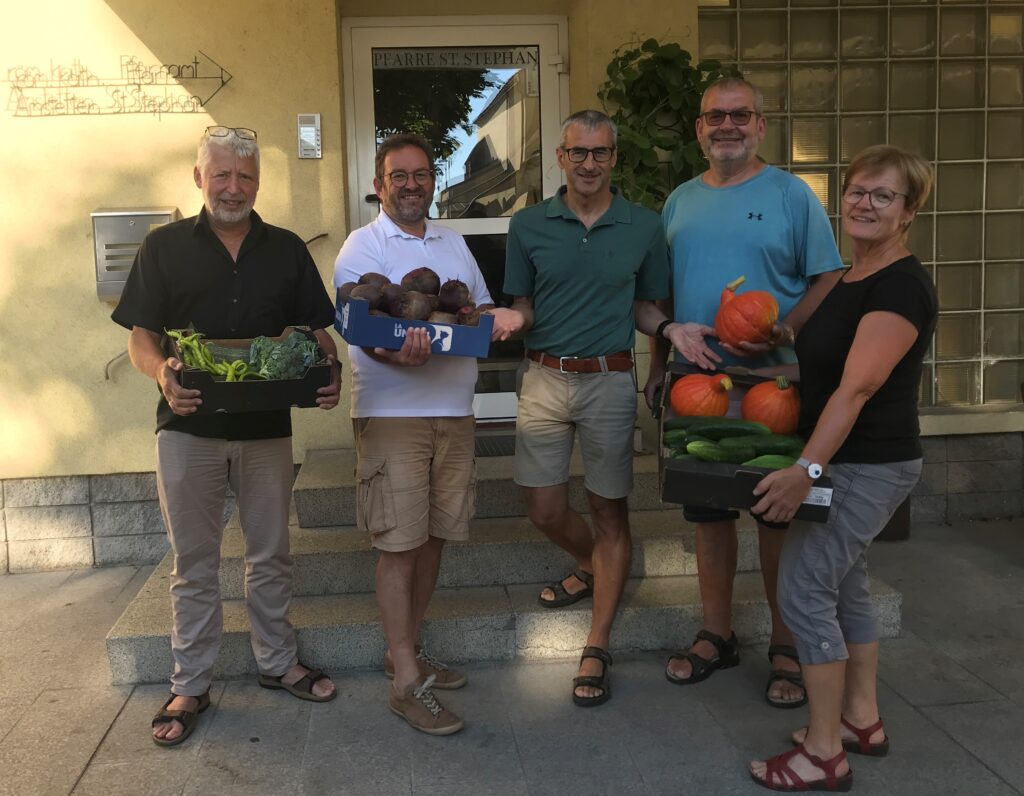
(752, 216)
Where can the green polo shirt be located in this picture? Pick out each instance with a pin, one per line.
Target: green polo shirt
(583, 282)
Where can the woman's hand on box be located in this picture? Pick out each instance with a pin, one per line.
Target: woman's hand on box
(781, 494)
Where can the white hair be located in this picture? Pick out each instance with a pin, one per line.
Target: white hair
(242, 147)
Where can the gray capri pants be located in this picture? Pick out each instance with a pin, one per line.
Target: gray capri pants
(822, 588)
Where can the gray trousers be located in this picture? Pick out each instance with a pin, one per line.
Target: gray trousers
(823, 589)
(192, 478)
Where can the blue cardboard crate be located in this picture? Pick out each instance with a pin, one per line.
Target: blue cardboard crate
(354, 323)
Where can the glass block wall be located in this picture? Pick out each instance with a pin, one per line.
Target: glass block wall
(945, 79)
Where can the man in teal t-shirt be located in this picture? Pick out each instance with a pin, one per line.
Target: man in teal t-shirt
(585, 268)
(740, 218)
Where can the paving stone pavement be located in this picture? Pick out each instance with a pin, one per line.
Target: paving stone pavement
(951, 692)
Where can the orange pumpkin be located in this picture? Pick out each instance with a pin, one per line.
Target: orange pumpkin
(774, 403)
(745, 317)
(698, 394)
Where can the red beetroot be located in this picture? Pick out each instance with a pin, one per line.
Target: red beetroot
(389, 301)
(422, 280)
(413, 306)
(344, 290)
(373, 278)
(454, 294)
(442, 317)
(369, 293)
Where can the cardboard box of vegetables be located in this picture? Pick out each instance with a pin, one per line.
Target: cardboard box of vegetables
(708, 459)
(252, 374)
(376, 312)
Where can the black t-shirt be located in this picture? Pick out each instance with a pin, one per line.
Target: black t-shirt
(887, 428)
(183, 276)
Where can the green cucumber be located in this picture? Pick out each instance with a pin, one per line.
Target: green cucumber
(765, 443)
(712, 452)
(682, 456)
(674, 438)
(684, 422)
(771, 462)
(720, 427)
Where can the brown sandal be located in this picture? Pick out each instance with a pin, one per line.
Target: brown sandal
(301, 688)
(186, 718)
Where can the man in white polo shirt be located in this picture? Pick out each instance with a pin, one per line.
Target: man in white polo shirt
(413, 424)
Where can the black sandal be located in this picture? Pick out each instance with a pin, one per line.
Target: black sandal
(562, 597)
(186, 718)
(301, 688)
(603, 682)
(780, 675)
(702, 668)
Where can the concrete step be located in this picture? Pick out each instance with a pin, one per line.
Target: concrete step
(466, 624)
(324, 491)
(500, 551)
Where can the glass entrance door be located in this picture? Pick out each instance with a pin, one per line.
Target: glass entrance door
(489, 94)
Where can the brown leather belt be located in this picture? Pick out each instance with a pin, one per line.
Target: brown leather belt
(622, 360)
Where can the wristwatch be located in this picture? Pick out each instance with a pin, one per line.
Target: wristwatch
(813, 470)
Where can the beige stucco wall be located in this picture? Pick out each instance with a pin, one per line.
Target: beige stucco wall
(58, 413)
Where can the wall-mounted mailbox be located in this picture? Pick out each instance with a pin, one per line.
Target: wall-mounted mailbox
(117, 235)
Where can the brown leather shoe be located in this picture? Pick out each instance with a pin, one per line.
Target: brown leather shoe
(421, 709)
(445, 677)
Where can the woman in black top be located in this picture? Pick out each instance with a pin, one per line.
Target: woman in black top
(860, 357)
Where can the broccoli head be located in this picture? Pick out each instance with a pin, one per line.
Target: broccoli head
(287, 359)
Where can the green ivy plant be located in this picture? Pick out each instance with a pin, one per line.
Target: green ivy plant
(653, 94)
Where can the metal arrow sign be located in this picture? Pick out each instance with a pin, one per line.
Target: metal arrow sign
(75, 90)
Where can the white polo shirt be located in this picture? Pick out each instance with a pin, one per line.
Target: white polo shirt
(443, 387)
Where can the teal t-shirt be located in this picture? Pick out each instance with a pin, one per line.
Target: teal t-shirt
(771, 229)
(583, 282)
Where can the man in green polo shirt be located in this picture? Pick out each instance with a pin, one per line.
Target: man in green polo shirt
(585, 268)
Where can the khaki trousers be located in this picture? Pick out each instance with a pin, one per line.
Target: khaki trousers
(192, 478)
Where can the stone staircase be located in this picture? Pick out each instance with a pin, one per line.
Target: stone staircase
(485, 607)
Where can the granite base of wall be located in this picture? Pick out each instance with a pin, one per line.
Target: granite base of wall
(70, 522)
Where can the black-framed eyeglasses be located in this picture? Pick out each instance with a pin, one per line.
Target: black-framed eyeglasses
(578, 154)
(879, 197)
(739, 118)
(218, 131)
(400, 178)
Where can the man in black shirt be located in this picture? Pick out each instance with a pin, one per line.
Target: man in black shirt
(228, 275)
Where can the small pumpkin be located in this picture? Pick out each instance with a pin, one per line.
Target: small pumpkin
(774, 403)
(698, 394)
(746, 316)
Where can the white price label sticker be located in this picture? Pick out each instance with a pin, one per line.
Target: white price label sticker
(819, 496)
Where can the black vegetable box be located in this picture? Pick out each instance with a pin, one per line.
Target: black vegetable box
(721, 485)
(254, 395)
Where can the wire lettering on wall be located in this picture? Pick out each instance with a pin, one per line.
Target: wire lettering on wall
(76, 90)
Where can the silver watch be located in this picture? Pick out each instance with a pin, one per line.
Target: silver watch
(813, 470)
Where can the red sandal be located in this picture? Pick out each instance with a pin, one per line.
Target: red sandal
(779, 776)
(863, 745)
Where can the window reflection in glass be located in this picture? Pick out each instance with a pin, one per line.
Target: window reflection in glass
(480, 109)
